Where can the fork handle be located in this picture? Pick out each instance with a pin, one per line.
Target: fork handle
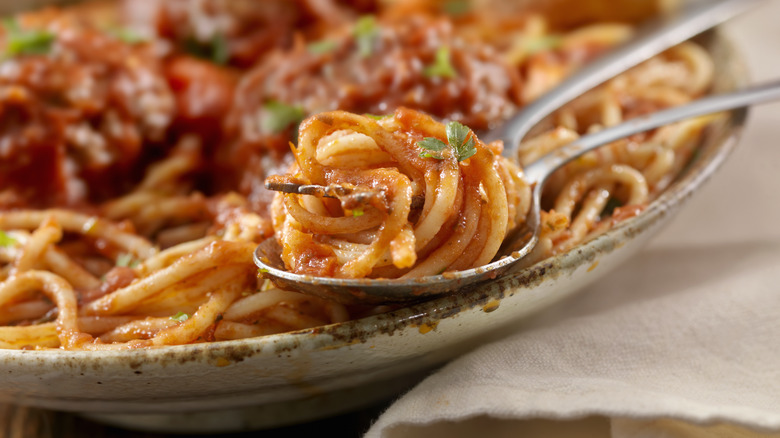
(651, 40)
(539, 170)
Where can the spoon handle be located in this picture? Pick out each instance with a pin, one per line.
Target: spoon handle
(539, 170)
(651, 40)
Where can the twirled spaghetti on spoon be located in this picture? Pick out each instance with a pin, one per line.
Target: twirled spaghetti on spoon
(472, 197)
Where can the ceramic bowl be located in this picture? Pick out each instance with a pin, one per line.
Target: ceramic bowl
(294, 377)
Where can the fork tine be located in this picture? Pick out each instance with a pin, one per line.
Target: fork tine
(331, 191)
(283, 187)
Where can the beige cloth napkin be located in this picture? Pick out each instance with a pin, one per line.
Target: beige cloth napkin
(681, 341)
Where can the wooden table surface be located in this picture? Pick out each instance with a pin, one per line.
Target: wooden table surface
(24, 422)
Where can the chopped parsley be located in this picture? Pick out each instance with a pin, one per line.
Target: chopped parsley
(357, 212)
(215, 50)
(377, 116)
(442, 66)
(26, 42)
(221, 51)
(126, 260)
(128, 35)
(180, 316)
(321, 47)
(365, 32)
(457, 7)
(433, 148)
(457, 133)
(261, 271)
(6, 240)
(542, 43)
(278, 116)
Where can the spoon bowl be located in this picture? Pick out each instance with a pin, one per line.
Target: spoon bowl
(381, 291)
(521, 241)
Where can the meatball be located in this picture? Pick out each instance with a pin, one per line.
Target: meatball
(368, 66)
(78, 108)
(238, 32)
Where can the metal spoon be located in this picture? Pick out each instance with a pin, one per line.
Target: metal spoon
(650, 42)
(522, 241)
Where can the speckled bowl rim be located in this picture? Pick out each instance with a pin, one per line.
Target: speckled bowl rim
(341, 334)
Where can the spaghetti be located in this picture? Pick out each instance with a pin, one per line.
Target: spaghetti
(470, 203)
(131, 178)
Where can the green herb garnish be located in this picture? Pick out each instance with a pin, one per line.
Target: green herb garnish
(126, 260)
(542, 43)
(261, 271)
(128, 36)
(457, 133)
(221, 51)
(377, 116)
(456, 136)
(6, 240)
(180, 316)
(433, 148)
(321, 47)
(365, 32)
(26, 42)
(215, 50)
(357, 212)
(442, 66)
(278, 116)
(457, 8)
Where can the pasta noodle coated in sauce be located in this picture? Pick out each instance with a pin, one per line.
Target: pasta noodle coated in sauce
(130, 204)
(468, 205)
